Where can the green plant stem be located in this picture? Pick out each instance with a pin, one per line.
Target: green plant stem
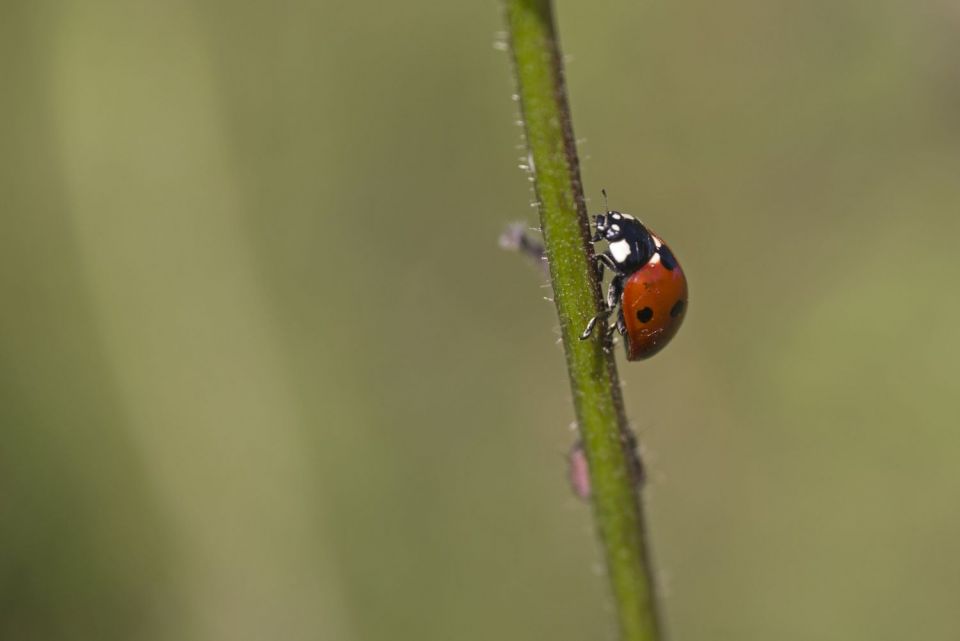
(593, 375)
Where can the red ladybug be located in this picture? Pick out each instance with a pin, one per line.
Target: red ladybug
(648, 285)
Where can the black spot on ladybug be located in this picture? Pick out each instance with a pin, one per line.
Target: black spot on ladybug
(677, 309)
(644, 315)
(667, 259)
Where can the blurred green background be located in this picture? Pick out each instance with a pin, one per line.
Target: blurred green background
(265, 373)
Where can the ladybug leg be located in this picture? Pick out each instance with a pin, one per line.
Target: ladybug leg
(588, 330)
(604, 259)
(613, 298)
(614, 292)
(609, 332)
(613, 328)
(597, 234)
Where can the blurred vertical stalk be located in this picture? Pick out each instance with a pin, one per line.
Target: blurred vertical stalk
(598, 404)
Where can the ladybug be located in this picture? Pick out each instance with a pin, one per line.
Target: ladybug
(648, 285)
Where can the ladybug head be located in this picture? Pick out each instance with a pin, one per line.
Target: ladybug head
(610, 226)
(614, 225)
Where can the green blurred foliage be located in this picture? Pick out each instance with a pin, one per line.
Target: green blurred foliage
(264, 372)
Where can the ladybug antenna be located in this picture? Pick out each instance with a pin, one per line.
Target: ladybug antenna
(606, 205)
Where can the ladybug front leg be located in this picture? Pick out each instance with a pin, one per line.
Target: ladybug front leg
(605, 259)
